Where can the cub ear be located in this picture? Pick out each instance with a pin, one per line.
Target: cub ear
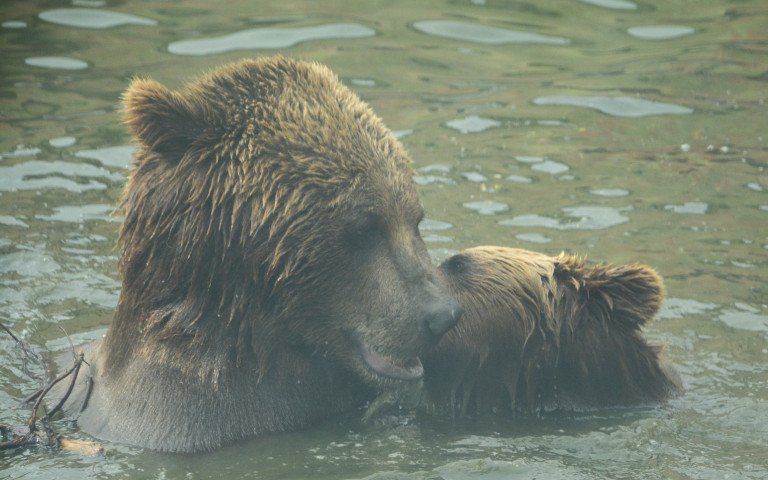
(166, 122)
(631, 294)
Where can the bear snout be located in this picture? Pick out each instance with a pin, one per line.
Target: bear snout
(440, 317)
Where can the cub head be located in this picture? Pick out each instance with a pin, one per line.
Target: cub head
(543, 332)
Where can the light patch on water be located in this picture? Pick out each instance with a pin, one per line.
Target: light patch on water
(362, 82)
(551, 167)
(474, 177)
(430, 224)
(529, 159)
(28, 263)
(89, 3)
(93, 18)
(14, 24)
(436, 168)
(472, 124)
(660, 32)
(268, 38)
(87, 287)
(57, 63)
(402, 133)
(62, 142)
(745, 320)
(12, 221)
(21, 151)
(487, 469)
(434, 238)
(682, 307)
(764, 208)
(736, 263)
(612, 4)
(609, 192)
(550, 123)
(38, 174)
(589, 218)
(615, 106)
(519, 179)
(694, 208)
(119, 156)
(533, 238)
(81, 213)
(432, 179)
(755, 186)
(483, 34)
(487, 207)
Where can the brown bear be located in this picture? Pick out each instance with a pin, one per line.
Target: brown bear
(541, 333)
(272, 271)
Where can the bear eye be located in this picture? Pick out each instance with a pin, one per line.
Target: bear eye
(365, 233)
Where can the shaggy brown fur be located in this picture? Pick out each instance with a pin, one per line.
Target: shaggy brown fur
(541, 333)
(273, 273)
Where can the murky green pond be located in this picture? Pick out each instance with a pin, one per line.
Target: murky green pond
(624, 130)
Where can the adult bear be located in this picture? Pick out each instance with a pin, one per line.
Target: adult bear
(542, 333)
(272, 270)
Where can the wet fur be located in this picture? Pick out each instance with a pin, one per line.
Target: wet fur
(542, 333)
(270, 223)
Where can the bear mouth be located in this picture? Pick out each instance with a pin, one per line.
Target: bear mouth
(409, 370)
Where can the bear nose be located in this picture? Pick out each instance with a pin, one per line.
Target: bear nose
(441, 317)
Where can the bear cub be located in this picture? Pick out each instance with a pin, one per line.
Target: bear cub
(543, 333)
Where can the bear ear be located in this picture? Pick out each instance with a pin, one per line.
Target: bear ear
(631, 294)
(166, 122)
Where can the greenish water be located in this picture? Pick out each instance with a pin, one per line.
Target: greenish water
(627, 131)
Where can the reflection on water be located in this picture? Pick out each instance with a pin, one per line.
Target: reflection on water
(659, 32)
(483, 34)
(92, 18)
(268, 38)
(495, 102)
(61, 63)
(589, 218)
(615, 4)
(472, 124)
(38, 174)
(616, 106)
(697, 208)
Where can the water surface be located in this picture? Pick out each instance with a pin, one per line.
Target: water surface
(619, 144)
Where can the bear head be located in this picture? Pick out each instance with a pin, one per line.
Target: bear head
(270, 210)
(541, 333)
